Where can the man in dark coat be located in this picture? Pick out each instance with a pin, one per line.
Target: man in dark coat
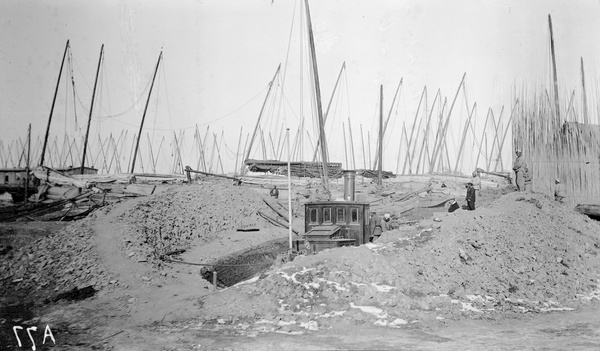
(470, 196)
(274, 192)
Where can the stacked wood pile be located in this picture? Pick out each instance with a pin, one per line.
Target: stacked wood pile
(297, 169)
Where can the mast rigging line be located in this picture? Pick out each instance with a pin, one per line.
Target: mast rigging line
(202, 124)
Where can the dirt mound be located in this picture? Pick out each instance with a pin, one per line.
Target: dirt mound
(524, 253)
(53, 264)
(168, 223)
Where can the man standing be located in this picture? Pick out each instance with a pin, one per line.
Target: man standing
(375, 226)
(470, 196)
(274, 192)
(559, 191)
(519, 166)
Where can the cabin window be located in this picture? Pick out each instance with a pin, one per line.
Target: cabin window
(354, 215)
(340, 218)
(327, 215)
(6, 178)
(313, 215)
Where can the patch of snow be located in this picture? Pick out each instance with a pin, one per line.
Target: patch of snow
(378, 312)
(398, 321)
(383, 288)
(311, 325)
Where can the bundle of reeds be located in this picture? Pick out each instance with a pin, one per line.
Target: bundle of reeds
(557, 149)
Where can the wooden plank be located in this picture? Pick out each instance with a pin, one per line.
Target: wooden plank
(140, 189)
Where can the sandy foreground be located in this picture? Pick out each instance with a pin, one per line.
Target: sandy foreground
(520, 272)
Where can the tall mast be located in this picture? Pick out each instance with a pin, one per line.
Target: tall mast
(53, 102)
(137, 143)
(27, 164)
(554, 70)
(585, 109)
(322, 139)
(379, 167)
(87, 132)
(329, 106)
(262, 109)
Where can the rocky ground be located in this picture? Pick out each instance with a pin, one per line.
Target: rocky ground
(517, 255)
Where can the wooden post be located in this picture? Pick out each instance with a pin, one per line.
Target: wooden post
(243, 165)
(369, 146)
(425, 144)
(508, 126)
(289, 176)
(137, 144)
(362, 143)
(87, 131)
(437, 150)
(389, 116)
(262, 109)
(483, 135)
(585, 109)
(464, 136)
(237, 154)
(317, 92)
(27, 163)
(351, 144)
(554, 75)
(345, 147)
(52, 107)
(337, 81)
(408, 160)
(379, 180)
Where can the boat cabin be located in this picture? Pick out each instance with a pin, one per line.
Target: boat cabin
(12, 177)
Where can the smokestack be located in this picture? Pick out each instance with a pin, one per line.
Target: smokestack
(349, 177)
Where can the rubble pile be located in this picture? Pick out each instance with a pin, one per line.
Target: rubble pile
(168, 223)
(53, 264)
(524, 253)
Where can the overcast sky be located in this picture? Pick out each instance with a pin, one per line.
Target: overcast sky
(219, 56)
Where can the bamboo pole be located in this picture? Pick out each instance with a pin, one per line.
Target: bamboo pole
(272, 146)
(436, 150)
(369, 145)
(317, 93)
(351, 144)
(362, 143)
(137, 144)
(103, 153)
(407, 159)
(586, 119)
(53, 103)
(262, 109)
(464, 136)
(379, 179)
(87, 131)
(508, 126)
(389, 115)
(425, 144)
(554, 75)
(243, 165)
(487, 117)
(152, 159)
(27, 163)
(264, 147)
(345, 147)
(237, 154)
(402, 133)
(337, 81)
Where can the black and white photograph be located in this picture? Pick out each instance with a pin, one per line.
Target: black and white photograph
(240, 175)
